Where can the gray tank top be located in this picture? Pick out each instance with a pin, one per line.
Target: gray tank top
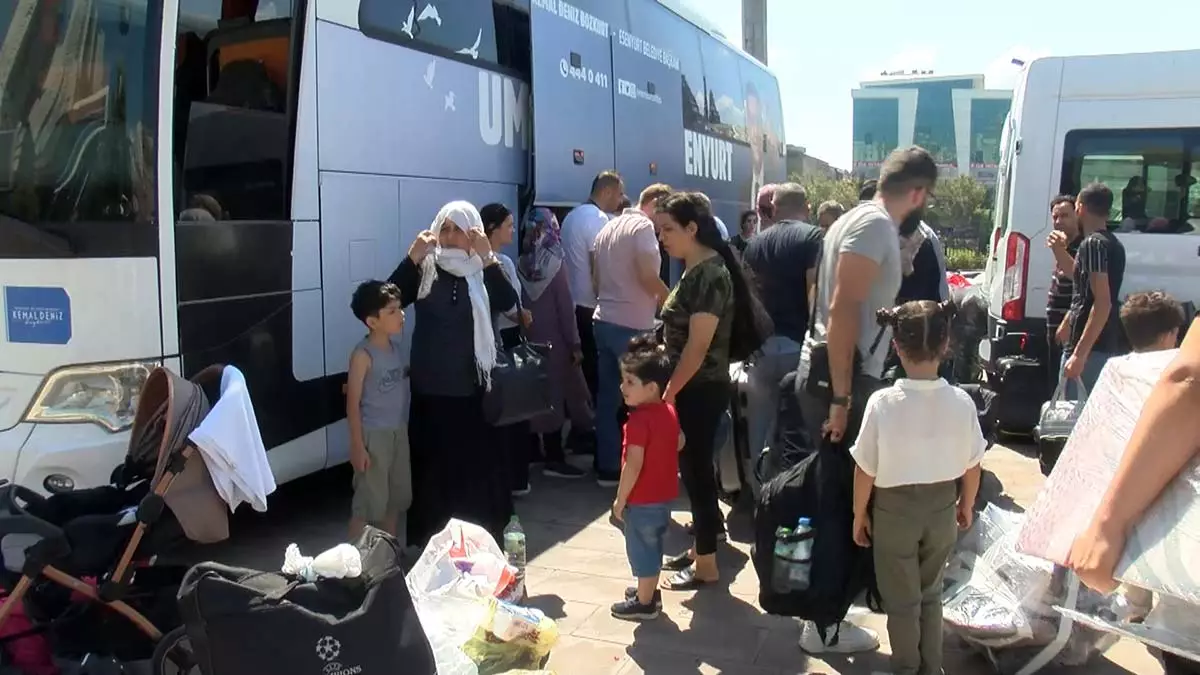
(383, 395)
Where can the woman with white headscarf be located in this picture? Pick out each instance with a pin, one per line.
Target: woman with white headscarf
(455, 283)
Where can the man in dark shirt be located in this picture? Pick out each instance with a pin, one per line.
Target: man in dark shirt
(1064, 244)
(1098, 270)
(783, 260)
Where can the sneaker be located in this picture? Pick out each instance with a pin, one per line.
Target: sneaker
(632, 610)
(847, 639)
(690, 528)
(563, 470)
(631, 594)
(608, 479)
(522, 492)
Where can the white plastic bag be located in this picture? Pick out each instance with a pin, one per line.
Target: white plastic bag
(340, 562)
(452, 584)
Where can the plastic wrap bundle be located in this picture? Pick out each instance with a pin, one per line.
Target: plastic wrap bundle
(1001, 602)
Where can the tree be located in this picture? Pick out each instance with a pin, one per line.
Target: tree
(822, 188)
(961, 202)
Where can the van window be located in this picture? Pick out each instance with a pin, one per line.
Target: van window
(725, 103)
(1152, 173)
(459, 29)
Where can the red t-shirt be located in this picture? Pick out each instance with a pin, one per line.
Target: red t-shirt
(654, 427)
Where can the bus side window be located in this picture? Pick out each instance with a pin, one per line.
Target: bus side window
(232, 121)
(1151, 172)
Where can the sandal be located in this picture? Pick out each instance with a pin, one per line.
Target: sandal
(678, 563)
(685, 580)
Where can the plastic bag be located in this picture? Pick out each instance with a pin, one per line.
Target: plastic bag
(340, 562)
(454, 585)
(511, 637)
(1001, 602)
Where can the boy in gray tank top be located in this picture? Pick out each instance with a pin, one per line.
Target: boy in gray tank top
(375, 402)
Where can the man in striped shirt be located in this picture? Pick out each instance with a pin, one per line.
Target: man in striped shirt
(1094, 333)
(1064, 243)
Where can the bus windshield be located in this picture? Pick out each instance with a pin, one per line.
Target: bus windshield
(78, 92)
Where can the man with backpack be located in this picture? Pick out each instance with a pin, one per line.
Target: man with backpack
(842, 359)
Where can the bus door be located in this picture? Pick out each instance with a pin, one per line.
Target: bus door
(572, 101)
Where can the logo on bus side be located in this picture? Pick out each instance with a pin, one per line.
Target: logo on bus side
(708, 157)
(503, 110)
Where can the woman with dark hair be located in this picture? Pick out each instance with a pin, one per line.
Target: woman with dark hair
(453, 280)
(711, 317)
(747, 226)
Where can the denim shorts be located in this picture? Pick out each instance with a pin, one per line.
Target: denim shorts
(645, 529)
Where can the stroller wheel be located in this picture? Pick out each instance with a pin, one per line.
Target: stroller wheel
(173, 655)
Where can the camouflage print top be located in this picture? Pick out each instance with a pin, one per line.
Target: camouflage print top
(704, 289)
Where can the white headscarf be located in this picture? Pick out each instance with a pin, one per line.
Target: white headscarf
(467, 266)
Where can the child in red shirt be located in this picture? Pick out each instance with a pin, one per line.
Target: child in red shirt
(649, 473)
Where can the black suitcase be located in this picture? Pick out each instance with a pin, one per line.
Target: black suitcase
(1020, 389)
(247, 622)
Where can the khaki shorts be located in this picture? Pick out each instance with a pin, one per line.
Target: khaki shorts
(385, 488)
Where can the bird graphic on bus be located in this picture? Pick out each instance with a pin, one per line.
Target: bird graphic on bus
(407, 26)
(429, 73)
(430, 13)
(450, 102)
(473, 50)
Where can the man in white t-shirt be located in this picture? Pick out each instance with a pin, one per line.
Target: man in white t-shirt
(579, 230)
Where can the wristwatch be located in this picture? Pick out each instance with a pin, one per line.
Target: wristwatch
(490, 259)
(840, 401)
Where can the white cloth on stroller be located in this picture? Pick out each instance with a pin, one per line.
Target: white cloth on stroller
(232, 447)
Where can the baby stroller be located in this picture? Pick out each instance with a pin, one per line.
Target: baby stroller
(78, 568)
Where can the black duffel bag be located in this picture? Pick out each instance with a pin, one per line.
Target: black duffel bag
(247, 622)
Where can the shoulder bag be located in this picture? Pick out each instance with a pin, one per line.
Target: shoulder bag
(820, 381)
(521, 387)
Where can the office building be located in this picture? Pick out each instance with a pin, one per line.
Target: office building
(954, 117)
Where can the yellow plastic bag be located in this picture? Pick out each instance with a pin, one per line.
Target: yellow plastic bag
(511, 638)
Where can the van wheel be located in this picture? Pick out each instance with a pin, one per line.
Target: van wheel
(173, 655)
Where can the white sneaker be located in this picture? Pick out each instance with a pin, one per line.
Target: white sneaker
(851, 639)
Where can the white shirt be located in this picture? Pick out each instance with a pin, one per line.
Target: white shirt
(579, 230)
(918, 432)
(510, 273)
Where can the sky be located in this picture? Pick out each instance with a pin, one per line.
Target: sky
(822, 50)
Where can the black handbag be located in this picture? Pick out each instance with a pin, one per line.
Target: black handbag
(243, 621)
(521, 387)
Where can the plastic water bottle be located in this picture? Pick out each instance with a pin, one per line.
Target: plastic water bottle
(514, 550)
(801, 554)
(781, 567)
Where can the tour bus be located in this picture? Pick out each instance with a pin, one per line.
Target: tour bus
(189, 182)
(1131, 121)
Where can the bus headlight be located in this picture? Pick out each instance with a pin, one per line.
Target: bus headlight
(105, 395)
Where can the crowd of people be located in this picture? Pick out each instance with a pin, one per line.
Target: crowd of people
(641, 369)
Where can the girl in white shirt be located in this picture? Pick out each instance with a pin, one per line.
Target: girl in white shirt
(918, 438)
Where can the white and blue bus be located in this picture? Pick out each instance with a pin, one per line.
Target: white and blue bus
(188, 182)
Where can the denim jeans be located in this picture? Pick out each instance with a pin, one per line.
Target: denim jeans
(612, 341)
(645, 528)
(1091, 373)
(778, 357)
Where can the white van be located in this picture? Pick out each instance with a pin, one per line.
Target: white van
(1119, 119)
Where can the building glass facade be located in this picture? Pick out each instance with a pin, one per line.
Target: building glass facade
(934, 127)
(987, 125)
(876, 130)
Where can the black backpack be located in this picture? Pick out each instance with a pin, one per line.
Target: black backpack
(821, 488)
(247, 621)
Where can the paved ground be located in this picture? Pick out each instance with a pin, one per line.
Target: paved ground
(578, 569)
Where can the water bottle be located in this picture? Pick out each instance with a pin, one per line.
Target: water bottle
(514, 549)
(780, 570)
(801, 554)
